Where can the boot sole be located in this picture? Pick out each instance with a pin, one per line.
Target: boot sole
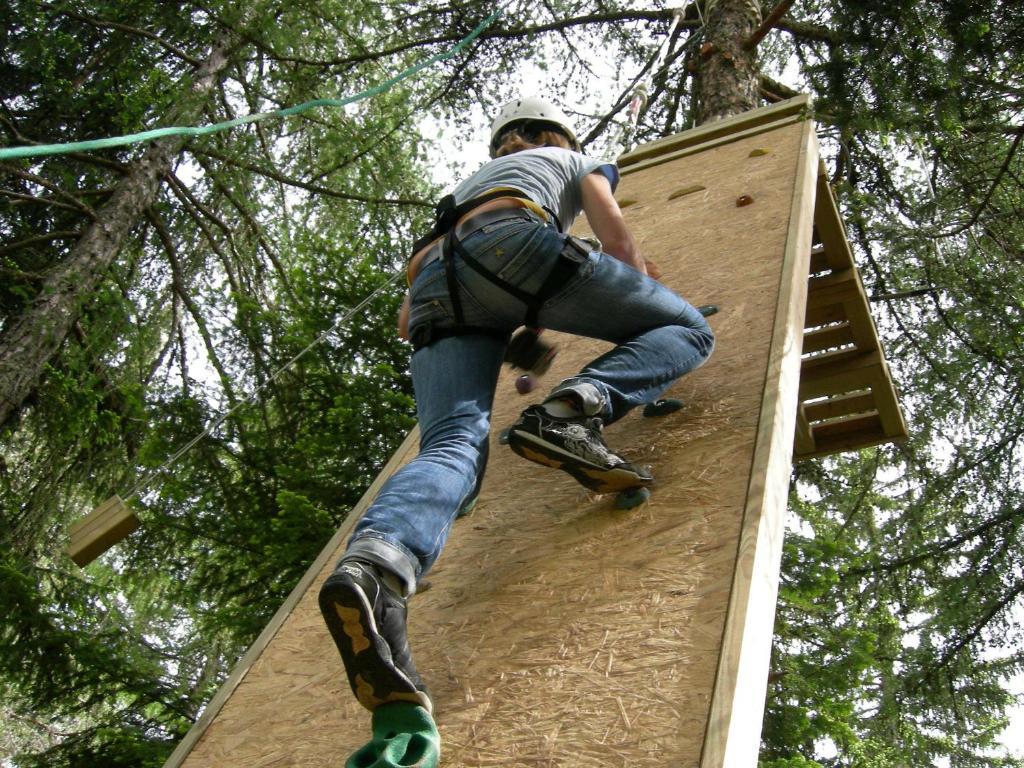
(374, 678)
(597, 479)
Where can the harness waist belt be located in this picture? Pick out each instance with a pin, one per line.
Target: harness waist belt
(472, 224)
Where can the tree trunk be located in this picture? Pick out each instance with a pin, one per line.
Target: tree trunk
(727, 78)
(31, 341)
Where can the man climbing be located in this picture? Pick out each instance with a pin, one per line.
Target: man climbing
(498, 258)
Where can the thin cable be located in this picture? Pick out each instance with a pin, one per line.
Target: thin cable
(135, 138)
(253, 396)
(640, 94)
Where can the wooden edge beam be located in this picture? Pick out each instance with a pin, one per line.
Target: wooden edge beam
(888, 405)
(727, 130)
(732, 735)
(829, 225)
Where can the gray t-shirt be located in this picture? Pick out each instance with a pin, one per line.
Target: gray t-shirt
(550, 176)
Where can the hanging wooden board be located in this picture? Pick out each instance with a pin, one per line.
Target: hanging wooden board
(101, 529)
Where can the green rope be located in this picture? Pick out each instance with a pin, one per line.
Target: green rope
(157, 133)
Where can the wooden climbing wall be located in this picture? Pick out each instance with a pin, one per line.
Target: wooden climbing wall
(556, 630)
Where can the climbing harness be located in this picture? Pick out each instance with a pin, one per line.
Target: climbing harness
(448, 230)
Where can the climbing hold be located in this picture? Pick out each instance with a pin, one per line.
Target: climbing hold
(632, 497)
(759, 152)
(686, 191)
(627, 203)
(662, 407)
(525, 384)
(528, 352)
(503, 437)
(404, 736)
(708, 309)
(743, 200)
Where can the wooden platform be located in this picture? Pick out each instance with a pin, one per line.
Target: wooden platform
(556, 631)
(847, 397)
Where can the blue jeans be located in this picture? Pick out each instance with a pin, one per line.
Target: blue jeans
(660, 337)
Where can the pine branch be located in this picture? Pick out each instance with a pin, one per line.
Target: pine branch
(994, 610)
(488, 34)
(49, 237)
(991, 190)
(940, 548)
(810, 32)
(70, 200)
(769, 21)
(104, 24)
(902, 294)
(183, 293)
(318, 189)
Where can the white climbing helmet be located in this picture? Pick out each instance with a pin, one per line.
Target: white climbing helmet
(532, 109)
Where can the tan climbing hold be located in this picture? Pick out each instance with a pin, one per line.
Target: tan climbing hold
(686, 191)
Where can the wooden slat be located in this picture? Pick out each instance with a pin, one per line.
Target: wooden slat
(842, 405)
(847, 425)
(829, 337)
(827, 358)
(867, 435)
(835, 285)
(861, 371)
(815, 317)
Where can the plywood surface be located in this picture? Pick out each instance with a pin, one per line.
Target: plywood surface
(556, 630)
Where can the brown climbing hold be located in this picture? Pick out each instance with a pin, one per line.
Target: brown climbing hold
(627, 203)
(706, 50)
(743, 200)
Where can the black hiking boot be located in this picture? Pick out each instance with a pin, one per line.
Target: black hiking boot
(367, 621)
(574, 445)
